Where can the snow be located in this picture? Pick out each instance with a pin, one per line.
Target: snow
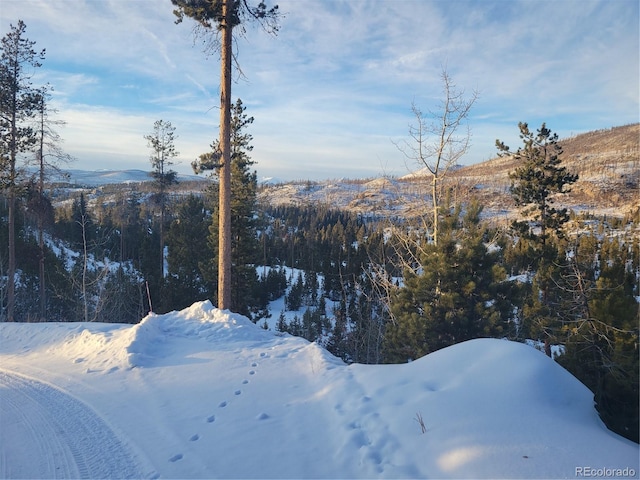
(204, 393)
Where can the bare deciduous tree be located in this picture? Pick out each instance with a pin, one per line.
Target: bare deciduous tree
(439, 140)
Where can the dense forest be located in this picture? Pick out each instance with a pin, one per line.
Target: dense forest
(370, 289)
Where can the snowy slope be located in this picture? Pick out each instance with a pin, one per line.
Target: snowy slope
(203, 393)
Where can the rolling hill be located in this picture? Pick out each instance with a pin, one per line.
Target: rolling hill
(607, 162)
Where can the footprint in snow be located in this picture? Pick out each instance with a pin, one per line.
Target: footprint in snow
(211, 419)
(176, 457)
(238, 392)
(252, 372)
(254, 364)
(222, 404)
(194, 438)
(244, 382)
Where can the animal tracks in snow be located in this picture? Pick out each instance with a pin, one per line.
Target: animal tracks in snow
(226, 403)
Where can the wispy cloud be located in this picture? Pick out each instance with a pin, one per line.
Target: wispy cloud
(332, 90)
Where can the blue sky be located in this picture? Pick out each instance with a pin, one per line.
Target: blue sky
(331, 94)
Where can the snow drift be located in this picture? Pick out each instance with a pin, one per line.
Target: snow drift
(204, 393)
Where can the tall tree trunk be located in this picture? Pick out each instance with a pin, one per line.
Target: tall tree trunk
(43, 294)
(162, 238)
(41, 214)
(436, 206)
(224, 220)
(11, 273)
(85, 262)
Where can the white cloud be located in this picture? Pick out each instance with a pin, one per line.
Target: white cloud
(336, 84)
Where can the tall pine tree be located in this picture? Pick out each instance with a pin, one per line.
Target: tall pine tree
(244, 185)
(220, 17)
(538, 180)
(18, 104)
(162, 144)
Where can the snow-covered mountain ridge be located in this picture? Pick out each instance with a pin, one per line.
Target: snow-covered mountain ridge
(204, 393)
(96, 178)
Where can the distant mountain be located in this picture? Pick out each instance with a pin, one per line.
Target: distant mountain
(607, 162)
(97, 178)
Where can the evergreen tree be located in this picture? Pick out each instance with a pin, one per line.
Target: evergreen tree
(293, 300)
(49, 155)
(537, 179)
(123, 298)
(244, 186)
(274, 284)
(600, 335)
(220, 17)
(18, 104)
(337, 342)
(125, 216)
(456, 293)
(282, 323)
(187, 252)
(162, 144)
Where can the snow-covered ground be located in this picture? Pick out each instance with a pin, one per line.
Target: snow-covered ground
(203, 393)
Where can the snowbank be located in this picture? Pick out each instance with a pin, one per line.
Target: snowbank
(204, 393)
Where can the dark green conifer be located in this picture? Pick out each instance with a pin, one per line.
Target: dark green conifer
(187, 253)
(537, 179)
(536, 183)
(19, 102)
(456, 294)
(244, 246)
